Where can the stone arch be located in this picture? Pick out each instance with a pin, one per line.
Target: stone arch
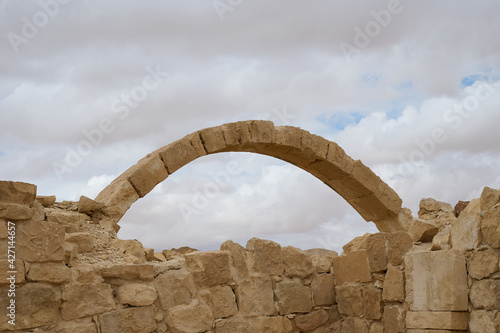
(371, 197)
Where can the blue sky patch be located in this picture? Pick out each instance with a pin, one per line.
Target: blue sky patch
(340, 121)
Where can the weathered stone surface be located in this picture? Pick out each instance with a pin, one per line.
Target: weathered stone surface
(46, 200)
(130, 320)
(175, 287)
(86, 299)
(465, 232)
(372, 303)
(136, 294)
(352, 267)
(483, 264)
(82, 274)
(376, 250)
(17, 193)
(239, 269)
(437, 320)
(117, 198)
(358, 243)
(15, 212)
(485, 294)
(68, 219)
(255, 297)
(436, 281)
(355, 325)
(188, 318)
(442, 240)
(212, 139)
(51, 272)
(76, 326)
(37, 304)
(489, 198)
(293, 297)
(265, 256)
(4, 232)
(312, 320)
(323, 289)
(322, 259)
(421, 231)
(349, 300)
(483, 322)
(148, 172)
(83, 240)
(144, 272)
(181, 152)
(158, 256)
(6, 269)
(439, 212)
(399, 243)
(460, 206)
(233, 325)
(88, 206)
(210, 268)
(40, 241)
(221, 300)
(490, 227)
(394, 285)
(131, 248)
(377, 327)
(394, 318)
(297, 263)
(272, 325)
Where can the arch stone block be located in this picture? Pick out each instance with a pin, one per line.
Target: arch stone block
(370, 196)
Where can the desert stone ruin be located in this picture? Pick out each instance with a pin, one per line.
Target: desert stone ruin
(435, 273)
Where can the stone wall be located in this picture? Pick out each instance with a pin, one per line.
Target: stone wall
(72, 274)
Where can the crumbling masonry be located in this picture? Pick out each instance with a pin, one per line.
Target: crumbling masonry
(437, 273)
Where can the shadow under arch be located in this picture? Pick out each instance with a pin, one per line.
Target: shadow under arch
(371, 197)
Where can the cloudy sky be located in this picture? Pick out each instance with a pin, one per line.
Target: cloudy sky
(411, 88)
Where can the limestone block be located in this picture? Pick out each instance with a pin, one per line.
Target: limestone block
(232, 135)
(483, 264)
(436, 281)
(17, 193)
(437, 320)
(293, 297)
(483, 322)
(378, 327)
(490, 227)
(376, 250)
(40, 241)
(465, 231)
(86, 299)
(297, 263)
(82, 274)
(175, 287)
(158, 256)
(372, 303)
(485, 294)
(272, 325)
(3, 229)
(88, 206)
(38, 211)
(265, 256)
(394, 288)
(255, 297)
(221, 301)
(441, 213)
(212, 139)
(136, 294)
(239, 267)
(338, 157)
(117, 198)
(355, 325)
(358, 243)
(489, 198)
(37, 304)
(233, 325)
(46, 200)
(149, 253)
(76, 326)
(349, 300)
(83, 240)
(188, 318)
(6, 269)
(322, 259)
(131, 248)
(312, 320)
(133, 320)
(67, 219)
(323, 289)
(316, 144)
(422, 230)
(394, 318)
(442, 240)
(146, 174)
(399, 243)
(352, 267)
(143, 272)
(15, 212)
(210, 268)
(181, 152)
(51, 272)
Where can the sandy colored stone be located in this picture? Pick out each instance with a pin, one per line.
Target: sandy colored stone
(51, 272)
(239, 269)
(394, 318)
(349, 300)
(482, 322)
(437, 320)
(76, 326)
(15, 212)
(130, 320)
(175, 287)
(322, 259)
(372, 303)
(88, 206)
(442, 240)
(355, 325)
(460, 206)
(293, 297)
(441, 213)
(323, 289)
(490, 227)
(117, 198)
(83, 240)
(82, 274)
(17, 193)
(485, 294)
(40, 241)
(377, 327)
(265, 256)
(210, 268)
(143, 272)
(136, 294)
(148, 172)
(272, 325)
(221, 300)
(423, 230)
(465, 231)
(181, 152)
(255, 297)
(394, 285)
(86, 299)
(436, 281)
(158, 256)
(398, 244)
(376, 250)
(233, 325)
(4, 232)
(352, 267)
(212, 139)
(6, 270)
(131, 248)
(297, 263)
(483, 264)
(46, 200)
(489, 198)
(312, 320)
(68, 219)
(189, 318)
